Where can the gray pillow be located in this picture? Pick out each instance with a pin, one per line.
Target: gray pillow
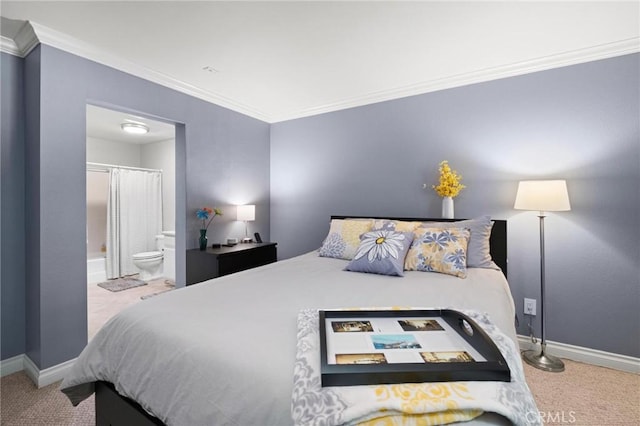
(478, 250)
(381, 252)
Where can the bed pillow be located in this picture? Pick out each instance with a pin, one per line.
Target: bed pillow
(478, 250)
(439, 250)
(344, 237)
(396, 225)
(381, 252)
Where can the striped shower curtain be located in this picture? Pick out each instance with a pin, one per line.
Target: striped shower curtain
(134, 217)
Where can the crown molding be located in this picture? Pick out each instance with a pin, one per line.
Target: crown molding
(604, 51)
(32, 33)
(9, 46)
(77, 47)
(25, 40)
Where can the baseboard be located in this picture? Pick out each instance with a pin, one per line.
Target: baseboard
(40, 378)
(590, 356)
(12, 365)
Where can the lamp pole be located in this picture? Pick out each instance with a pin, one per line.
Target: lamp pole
(542, 284)
(542, 360)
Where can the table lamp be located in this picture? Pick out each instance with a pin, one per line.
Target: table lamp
(246, 213)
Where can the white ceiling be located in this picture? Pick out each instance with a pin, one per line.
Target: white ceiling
(282, 60)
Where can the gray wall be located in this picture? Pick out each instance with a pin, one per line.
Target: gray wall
(12, 202)
(578, 123)
(220, 156)
(32, 201)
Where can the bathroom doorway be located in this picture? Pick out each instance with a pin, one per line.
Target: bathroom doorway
(130, 211)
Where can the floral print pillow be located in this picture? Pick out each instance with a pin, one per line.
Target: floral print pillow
(381, 252)
(344, 238)
(479, 248)
(439, 250)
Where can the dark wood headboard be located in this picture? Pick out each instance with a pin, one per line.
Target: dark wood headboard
(497, 240)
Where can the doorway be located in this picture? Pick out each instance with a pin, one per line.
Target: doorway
(130, 252)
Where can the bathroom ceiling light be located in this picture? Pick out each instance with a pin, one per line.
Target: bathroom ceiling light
(135, 128)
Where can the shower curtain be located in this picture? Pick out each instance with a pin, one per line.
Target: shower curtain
(134, 217)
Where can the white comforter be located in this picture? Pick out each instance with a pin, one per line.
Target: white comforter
(223, 351)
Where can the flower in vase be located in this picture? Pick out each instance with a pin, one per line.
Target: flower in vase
(449, 184)
(206, 215)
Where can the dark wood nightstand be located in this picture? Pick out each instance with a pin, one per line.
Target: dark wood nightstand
(216, 262)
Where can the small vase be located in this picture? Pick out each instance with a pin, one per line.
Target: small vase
(203, 239)
(447, 207)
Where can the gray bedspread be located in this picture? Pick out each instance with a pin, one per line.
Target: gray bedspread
(223, 351)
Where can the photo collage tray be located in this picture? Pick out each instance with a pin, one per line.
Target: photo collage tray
(409, 346)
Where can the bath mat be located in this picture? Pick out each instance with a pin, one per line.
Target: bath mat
(120, 284)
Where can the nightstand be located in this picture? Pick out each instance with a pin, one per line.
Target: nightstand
(216, 262)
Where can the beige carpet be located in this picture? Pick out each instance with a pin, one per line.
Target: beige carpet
(582, 395)
(586, 395)
(21, 404)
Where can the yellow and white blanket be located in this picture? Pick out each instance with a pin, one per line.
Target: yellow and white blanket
(405, 404)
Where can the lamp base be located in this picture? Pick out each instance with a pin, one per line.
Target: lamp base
(543, 361)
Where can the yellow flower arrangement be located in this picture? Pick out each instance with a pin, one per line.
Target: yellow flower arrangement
(449, 184)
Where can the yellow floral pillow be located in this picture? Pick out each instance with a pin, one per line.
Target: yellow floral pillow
(439, 250)
(344, 237)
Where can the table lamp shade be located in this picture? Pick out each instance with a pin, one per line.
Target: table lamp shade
(247, 212)
(542, 195)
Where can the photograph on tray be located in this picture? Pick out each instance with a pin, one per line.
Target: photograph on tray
(372, 358)
(453, 356)
(420, 325)
(351, 326)
(395, 341)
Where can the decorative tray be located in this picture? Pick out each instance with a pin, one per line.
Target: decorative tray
(371, 347)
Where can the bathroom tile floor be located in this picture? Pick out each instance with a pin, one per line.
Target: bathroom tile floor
(103, 304)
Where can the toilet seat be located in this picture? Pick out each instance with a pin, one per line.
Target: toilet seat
(148, 255)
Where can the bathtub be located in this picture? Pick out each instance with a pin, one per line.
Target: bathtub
(96, 268)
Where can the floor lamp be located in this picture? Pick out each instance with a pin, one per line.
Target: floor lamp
(543, 196)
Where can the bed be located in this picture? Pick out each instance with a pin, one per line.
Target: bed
(224, 351)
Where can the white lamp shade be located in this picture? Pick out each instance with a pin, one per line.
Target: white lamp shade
(247, 212)
(542, 195)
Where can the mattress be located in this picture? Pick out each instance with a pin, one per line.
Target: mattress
(223, 351)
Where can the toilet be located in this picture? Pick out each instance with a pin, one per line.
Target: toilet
(150, 262)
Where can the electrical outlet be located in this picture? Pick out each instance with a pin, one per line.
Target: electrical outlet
(530, 306)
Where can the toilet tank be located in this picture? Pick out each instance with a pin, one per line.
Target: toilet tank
(169, 239)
